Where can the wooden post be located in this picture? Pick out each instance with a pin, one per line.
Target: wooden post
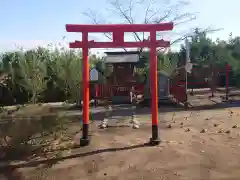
(84, 141)
(227, 81)
(154, 140)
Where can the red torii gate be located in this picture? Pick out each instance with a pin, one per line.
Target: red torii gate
(118, 31)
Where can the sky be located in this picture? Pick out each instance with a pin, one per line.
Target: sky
(27, 24)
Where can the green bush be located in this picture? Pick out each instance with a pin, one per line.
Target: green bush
(41, 74)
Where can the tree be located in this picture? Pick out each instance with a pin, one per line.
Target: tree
(146, 12)
(67, 68)
(233, 47)
(33, 73)
(167, 63)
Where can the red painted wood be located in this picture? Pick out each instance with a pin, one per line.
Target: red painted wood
(154, 78)
(179, 92)
(85, 75)
(118, 36)
(106, 91)
(227, 80)
(118, 30)
(97, 28)
(93, 44)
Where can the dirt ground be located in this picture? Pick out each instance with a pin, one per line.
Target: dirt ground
(196, 145)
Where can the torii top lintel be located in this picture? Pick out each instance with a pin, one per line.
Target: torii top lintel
(97, 28)
(118, 35)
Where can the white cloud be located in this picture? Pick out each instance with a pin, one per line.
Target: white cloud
(13, 45)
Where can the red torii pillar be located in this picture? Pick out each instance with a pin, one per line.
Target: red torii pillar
(118, 31)
(227, 80)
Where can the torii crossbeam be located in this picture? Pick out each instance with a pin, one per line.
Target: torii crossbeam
(118, 31)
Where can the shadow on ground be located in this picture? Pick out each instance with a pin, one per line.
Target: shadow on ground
(10, 172)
